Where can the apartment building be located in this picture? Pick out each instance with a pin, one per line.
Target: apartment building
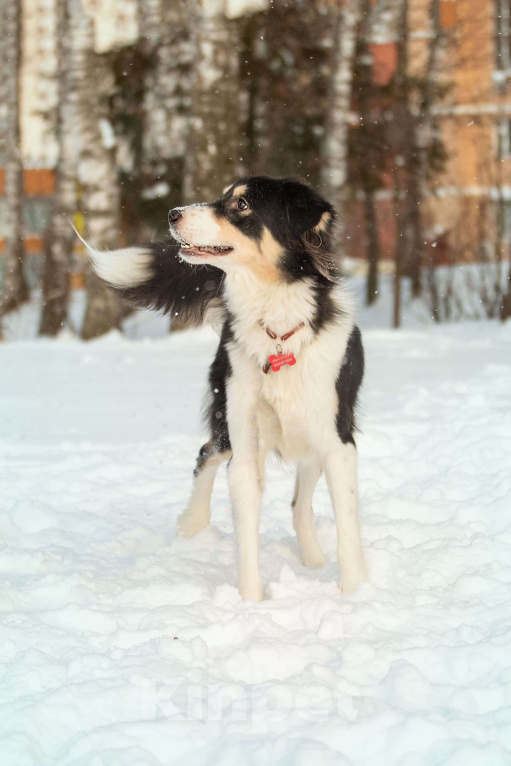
(471, 197)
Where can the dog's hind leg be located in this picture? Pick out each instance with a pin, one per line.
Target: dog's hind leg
(297, 487)
(198, 513)
(340, 465)
(303, 515)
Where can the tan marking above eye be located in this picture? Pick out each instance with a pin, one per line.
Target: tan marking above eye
(323, 221)
(227, 188)
(240, 190)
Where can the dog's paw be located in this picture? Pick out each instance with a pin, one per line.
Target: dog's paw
(348, 586)
(313, 557)
(253, 590)
(351, 580)
(189, 524)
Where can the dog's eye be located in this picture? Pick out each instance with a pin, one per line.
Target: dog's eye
(242, 204)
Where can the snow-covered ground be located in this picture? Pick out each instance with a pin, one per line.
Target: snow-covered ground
(122, 644)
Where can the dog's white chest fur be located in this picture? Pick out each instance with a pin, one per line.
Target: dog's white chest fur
(294, 406)
(278, 307)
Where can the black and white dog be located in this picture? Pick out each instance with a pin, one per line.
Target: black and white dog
(290, 362)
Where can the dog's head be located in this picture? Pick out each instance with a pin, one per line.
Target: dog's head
(278, 228)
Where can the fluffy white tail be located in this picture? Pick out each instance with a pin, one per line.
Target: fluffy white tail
(125, 268)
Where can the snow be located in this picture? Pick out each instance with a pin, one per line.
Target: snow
(122, 644)
(234, 9)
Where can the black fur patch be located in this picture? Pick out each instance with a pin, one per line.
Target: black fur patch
(347, 386)
(206, 452)
(326, 310)
(287, 207)
(175, 287)
(215, 411)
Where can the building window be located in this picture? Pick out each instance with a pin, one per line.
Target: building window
(504, 219)
(504, 139)
(448, 13)
(35, 215)
(503, 34)
(3, 217)
(36, 212)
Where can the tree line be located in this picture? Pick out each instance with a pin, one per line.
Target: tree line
(211, 90)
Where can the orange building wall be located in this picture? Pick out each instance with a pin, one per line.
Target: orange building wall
(467, 118)
(38, 182)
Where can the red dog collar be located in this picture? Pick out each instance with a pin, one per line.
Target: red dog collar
(278, 360)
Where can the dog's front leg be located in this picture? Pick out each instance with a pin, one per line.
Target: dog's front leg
(198, 513)
(246, 501)
(303, 515)
(244, 486)
(340, 465)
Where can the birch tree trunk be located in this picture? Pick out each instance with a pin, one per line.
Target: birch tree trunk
(405, 207)
(405, 129)
(97, 169)
(57, 263)
(422, 138)
(14, 286)
(370, 159)
(149, 19)
(416, 137)
(505, 308)
(165, 24)
(335, 148)
(373, 244)
(213, 148)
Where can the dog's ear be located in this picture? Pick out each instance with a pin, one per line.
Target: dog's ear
(319, 248)
(306, 210)
(311, 219)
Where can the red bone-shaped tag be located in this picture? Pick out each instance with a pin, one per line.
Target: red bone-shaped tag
(279, 361)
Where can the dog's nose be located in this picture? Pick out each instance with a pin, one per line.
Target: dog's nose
(174, 215)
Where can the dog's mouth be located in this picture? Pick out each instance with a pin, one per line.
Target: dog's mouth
(200, 250)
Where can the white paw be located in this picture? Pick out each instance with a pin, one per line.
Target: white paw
(314, 557)
(348, 586)
(351, 580)
(189, 524)
(252, 590)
